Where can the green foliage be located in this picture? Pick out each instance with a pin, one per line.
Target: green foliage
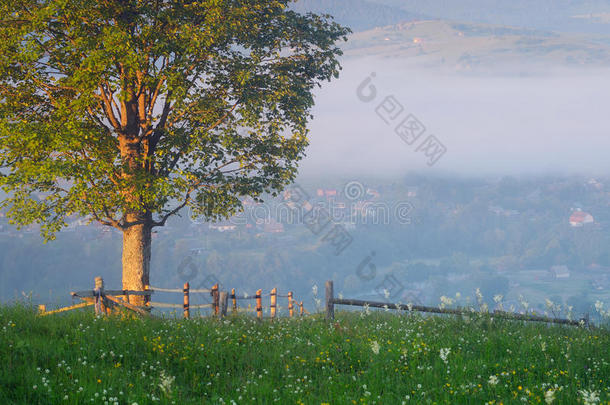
(127, 111)
(75, 358)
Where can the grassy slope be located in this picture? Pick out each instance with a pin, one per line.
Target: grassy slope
(88, 360)
(465, 46)
(554, 15)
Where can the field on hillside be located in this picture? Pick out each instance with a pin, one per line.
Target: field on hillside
(466, 46)
(360, 358)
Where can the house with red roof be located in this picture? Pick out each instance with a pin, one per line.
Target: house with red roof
(580, 218)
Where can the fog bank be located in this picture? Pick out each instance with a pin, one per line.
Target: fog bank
(545, 124)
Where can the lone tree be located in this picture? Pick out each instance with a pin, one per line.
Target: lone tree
(126, 112)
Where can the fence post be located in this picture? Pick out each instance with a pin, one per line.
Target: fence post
(259, 304)
(215, 299)
(273, 302)
(187, 313)
(224, 301)
(234, 298)
(146, 297)
(330, 305)
(290, 305)
(301, 308)
(98, 293)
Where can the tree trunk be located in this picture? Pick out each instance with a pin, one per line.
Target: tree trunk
(136, 259)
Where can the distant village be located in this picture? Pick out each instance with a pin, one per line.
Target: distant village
(281, 222)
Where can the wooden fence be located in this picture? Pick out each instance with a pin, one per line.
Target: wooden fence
(331, 301)
(107, 301)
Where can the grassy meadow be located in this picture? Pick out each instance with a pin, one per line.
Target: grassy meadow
(360, 358)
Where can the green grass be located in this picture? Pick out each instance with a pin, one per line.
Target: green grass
(76, 358)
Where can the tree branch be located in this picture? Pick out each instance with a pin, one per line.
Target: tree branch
(107, 106)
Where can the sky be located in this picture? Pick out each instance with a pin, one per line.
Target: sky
(556, 123)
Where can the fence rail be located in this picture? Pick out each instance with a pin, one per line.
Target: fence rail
(105, 301)
(331, 301)
(177, 290)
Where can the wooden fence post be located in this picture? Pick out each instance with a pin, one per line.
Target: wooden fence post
(100, 307)
(224, 301)
(301, 308)
(259, 304)
(215, 299)
(125, 296)
(273, 305)
(146, 297)
(330, 305)
(290, 305)
(234, 298)
(187, 312)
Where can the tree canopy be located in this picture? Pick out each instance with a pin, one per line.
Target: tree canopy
(128, 111)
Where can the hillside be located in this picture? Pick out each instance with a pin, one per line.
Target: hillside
(469, 46)
(359, 15)
(379, 358)
(584, 16)
(475, 35)
(568, 16)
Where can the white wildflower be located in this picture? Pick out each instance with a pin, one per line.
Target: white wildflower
(479, 295)
(444, 354)
(166, 383)
(549, 396)
(314, 289)
(493, 380)
(446, 301)
(375, 347)
(589, 397)
(523, 303)
(569, 314)
(498, 300)
(599, 306)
